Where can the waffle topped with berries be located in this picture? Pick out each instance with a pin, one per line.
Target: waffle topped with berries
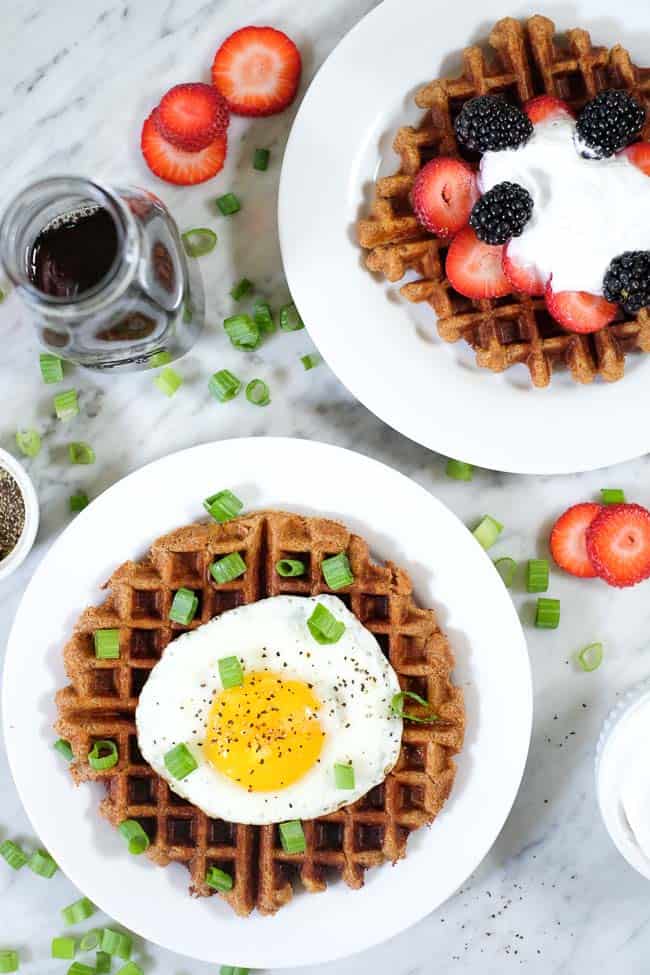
(429, 220)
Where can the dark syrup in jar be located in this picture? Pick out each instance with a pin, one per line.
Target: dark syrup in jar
(73, 252)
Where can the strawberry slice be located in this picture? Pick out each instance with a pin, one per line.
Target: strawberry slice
(618, 544)
(191, 116)
(639, 155)
(475, 269)
(176, 165)
(568, 541)
(523, 278)
(257, 70)
(443, 195)
(579, 311)
(546, 107)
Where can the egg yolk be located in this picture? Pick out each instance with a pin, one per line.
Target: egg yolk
(264, 734)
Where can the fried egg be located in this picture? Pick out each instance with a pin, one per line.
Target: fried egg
(266, 749)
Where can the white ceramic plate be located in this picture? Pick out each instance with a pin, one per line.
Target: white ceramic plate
(385, 349)
(450, 571)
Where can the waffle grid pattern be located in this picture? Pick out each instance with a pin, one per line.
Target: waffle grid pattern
(101, 699)
(525, 61)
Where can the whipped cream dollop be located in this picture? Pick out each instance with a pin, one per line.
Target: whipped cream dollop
(585, 211)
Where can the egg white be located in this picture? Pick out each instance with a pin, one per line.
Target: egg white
(352, 679)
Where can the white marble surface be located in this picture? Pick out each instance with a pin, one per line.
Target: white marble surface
(76, 80)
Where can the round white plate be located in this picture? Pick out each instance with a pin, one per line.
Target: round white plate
(385, 349)
(450, 571)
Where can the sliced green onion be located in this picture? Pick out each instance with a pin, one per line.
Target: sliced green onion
(9, 961)
(547, 616)
(218, 879)
(242, 331)
(289, 568)
(230, 672)
(228, 568)
(3, 294)
(324, 626)
(458, 470)
(224, 386)
(188, 311)
(337, 572)
(41, 863)
(240, 289)
(257, 393)
(184, 606)
(81, 453)
(78, 968)
(90, 939)
(261, 159)
(64, 947)
(13, 854)
(64, 748)
(290, 320)
(199, 241)
(103, 755)
(136, 838)
(168, 381)
(233, 970)
(223, 506)
(130, 969)
(487, 531)
(397, 707)
(51, 368)
(78, 911)
(263, 316)
(228, 203)
(310, 361)
(66, 405)
(292, 837)
(107, 644)
(78, 501)
(612, 496)
(28, 442)
(591, 657)
(180, 762)
(102, 963)
(343, 775)
(117, 943)
(158, 359)
(506, 567)
(537, 575)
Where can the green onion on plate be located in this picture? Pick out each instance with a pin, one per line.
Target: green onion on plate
(199, 241)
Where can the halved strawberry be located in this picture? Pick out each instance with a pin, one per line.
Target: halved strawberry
(257, 70)
(475, 269)
(639, 155)
(176, 165)
(546, 107)
(191, 116)
(523, 278)
(618, 544)
(568, 541)
(443, 195)
(579, 311)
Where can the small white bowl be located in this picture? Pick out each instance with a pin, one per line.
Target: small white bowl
(24, 544)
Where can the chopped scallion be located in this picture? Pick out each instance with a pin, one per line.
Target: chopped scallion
(78, 501)
(28, 442)
(591, 657)
(102, 963)
(612, 496)
(230, 672)
(257, 393)
(310, 361)
(263, 316)
(218, 879)
(458, 470)
(64, 748)
(292, 837)
(242, 331)
(184, 606)
(66, 404)
(130, 969)
(180, 762)
(240, 289)
(537, 575)
(158, 359)
(41, 863)
(103, 755)
(78, 911)
(224, 386)
(506, 567)
(228, 204)
(9, 961)
(324, 626)
(547, 615)
(117, 943)
(290, 320)
(107, 644)
(135, 836)
(51, 368)
(13, 854)
(337, 572)
(397, 707)
(168, 381)
(81, 453)
(233, 970)
(261, 159)
(288, 568)
(78, 968)
(343, 775)
(228, 568)
(223, 506)
(63, 947)
(90, 939)
(487, 531)
(199, 241)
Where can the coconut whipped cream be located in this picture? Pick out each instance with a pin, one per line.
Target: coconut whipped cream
(585, 212)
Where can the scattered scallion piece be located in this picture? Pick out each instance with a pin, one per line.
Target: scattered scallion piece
(487, 531)
(102, 963)
(130, 969)
(168, 381)
(292, 837)
(78, 968)
(107, 644)
(228, 568)
(290, 320)
(591, 657)
(199, 241)
(184, 606)
(310, 361)
(81, 453)
(506, 567)
(242, 331)
(103, 755)
(261, 159)
(13, 854)
(458, 470)
(324, 626)
(64, 947)
(547, 615)
(612, 495)
(230, 672)
(289, 568)
(66, 404)
(28, 442)
(51, 368)
(537, 575)
(233, 970)
(90, 939)
(158, 359)
(78, 911)
(224, 386)
(343, 775)
(41, 863)
(240, 289)
(397, 707)
(117, 943)
(135, 836)
(228, 204)
(218, 879)
(78, 501)
(3, 294)
(263, 316)
(223, 506)
(64, 748)
(337, 572)
(257, 393)
(9, 961)
(179, 761)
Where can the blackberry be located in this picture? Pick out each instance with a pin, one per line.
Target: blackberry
(490, 122)
(627, 281)
(608, 123)
(501, 213)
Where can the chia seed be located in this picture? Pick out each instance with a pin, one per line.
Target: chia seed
(12, 513)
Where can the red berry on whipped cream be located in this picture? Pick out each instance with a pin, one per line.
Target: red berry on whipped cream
(579, 311)
(443, 194)
(545, 108)
(524, 278)
(639, 155)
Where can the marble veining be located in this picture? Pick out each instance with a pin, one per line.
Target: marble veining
(76, 80)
